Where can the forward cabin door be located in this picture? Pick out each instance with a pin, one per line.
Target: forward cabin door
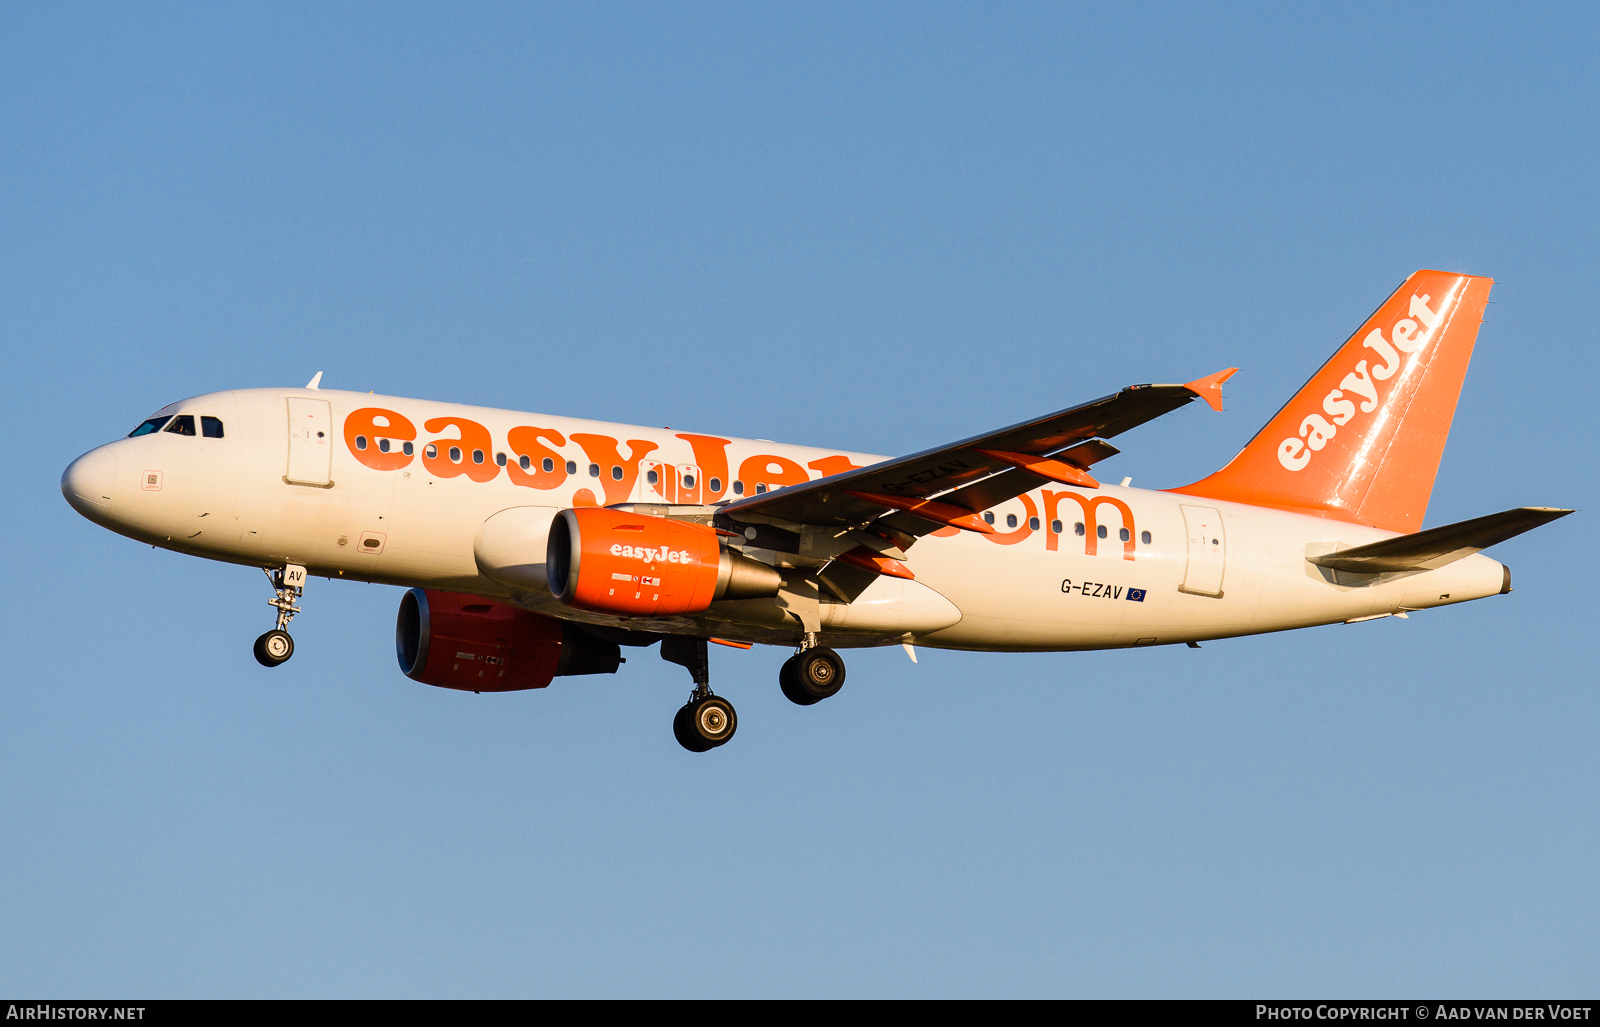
(1207, 551)
(310, 442)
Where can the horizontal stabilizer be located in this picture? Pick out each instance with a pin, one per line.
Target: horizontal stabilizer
(1427, 550)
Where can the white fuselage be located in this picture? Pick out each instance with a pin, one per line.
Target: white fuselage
(1190, 569)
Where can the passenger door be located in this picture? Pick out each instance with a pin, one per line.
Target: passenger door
(1207, 552)
(310, 442)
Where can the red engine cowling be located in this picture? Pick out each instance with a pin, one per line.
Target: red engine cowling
(614, 561)
(463, 641)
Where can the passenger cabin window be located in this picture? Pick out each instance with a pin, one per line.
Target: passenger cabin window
(716, 484)
(1077, 529)
(1101, 531)
(183, 424)
(988, 517)
(616, 472)
(1122, 533)
(500, 458)
(211, 427)
(1033, 523)
(152, 425)
(1011, 520)
(383, 445)
(688, 481)
(1055, 526)
(738, 487)
(594, 470)
(547, 465)
(1144, 536)
(652, 477)
(572, 467)
(406, 448)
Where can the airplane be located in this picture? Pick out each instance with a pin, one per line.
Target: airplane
(533, 546)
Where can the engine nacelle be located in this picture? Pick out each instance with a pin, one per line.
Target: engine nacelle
(463, 641)
(614, 561)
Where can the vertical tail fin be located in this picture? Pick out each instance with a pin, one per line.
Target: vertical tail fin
(1361, 440)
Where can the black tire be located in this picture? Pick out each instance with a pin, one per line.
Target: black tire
(710, 721)
(685, 734)
(274, 648)
(791, 687)
(812, 676)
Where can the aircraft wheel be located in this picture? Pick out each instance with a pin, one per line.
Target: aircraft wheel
(705, 723)
(683, 733)
(791, 688)
(811, 676)
(273, 648)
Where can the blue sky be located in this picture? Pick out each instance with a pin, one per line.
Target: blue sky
(876, 227)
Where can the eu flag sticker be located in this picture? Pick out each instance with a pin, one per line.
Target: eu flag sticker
(1136, 595)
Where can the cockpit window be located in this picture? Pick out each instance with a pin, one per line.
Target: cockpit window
(183, 424)
(152, 425)
(211, 427)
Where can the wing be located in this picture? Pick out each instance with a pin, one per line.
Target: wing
(949, 485)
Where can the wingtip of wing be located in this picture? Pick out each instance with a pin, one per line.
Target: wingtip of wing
(1209, 388)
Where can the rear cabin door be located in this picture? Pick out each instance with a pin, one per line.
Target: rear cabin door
(1207, 551)
(310, 442)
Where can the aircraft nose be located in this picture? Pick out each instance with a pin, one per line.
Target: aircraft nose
(87, 482)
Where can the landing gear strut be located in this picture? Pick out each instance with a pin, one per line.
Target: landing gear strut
(706, 720)
(288, 584)
(812, 674)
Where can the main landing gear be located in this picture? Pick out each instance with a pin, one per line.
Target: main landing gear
(288, 584)
(706, 720)
(812, 674)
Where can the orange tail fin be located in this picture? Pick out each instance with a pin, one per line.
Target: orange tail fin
(1362, 440)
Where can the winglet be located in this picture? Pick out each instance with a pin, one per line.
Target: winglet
(1209, 388)
(315, 382)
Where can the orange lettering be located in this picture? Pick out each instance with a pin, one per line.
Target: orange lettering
(774, 470)
(1011, 538)
(524, 441)
(711, 454)
(474, 450)
(370, 424)
(834, 465)
(1091, 535)
(602, 450)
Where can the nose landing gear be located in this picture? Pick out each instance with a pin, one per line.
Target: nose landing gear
(288, 584)
(812, 674)
(706, 720)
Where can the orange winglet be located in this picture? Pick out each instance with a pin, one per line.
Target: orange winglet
(730, 645)
(867, 560)
(1044, 467)
(1209, 388)
(928, 510)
